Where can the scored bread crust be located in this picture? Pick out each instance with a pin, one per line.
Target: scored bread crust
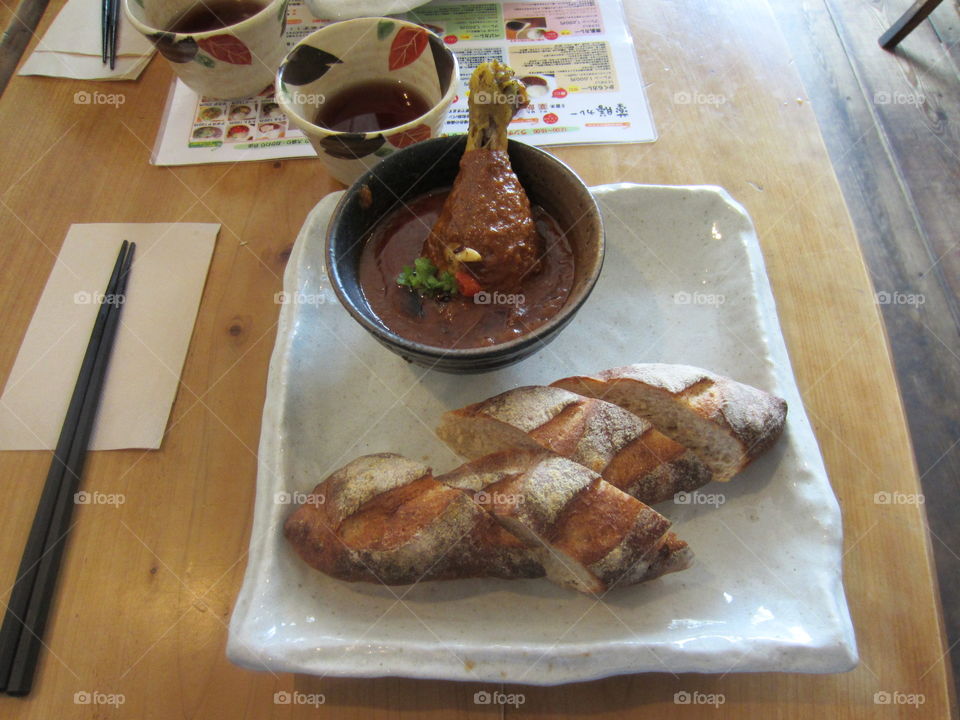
(589, 535)
(726, 423)
(554, 485)
(625, 449)
(385, 518)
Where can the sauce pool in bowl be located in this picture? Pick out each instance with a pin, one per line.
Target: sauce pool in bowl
(487, 318)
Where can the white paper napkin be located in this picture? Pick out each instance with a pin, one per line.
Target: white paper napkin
(71, 47)
(163, 295)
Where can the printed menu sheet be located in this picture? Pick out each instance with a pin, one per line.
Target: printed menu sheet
(576, 58)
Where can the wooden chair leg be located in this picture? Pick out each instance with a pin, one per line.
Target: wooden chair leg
(908, 21)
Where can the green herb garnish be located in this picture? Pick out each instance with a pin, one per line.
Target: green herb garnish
(423, 278)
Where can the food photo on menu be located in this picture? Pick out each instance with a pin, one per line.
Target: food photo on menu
(514, 353)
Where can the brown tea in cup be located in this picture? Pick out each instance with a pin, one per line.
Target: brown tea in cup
(371, 106)
(204, 17)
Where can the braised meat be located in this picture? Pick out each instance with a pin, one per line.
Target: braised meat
(485, 229)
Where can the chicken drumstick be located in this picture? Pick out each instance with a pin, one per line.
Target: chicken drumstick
(485, 234)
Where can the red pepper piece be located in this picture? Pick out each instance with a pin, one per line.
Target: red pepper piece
(467, 283)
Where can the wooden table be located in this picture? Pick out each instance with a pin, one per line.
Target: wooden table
(146, 590)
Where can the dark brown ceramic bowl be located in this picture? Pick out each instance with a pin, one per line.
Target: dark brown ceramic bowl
(433, 164)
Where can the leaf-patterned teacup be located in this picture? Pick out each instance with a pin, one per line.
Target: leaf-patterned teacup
(354, 52)
(235, 61)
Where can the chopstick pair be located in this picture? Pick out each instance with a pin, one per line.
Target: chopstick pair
(22, 630)
(109, 22)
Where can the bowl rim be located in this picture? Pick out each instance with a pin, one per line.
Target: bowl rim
(445, 101)
(540, 334)
(245, 24)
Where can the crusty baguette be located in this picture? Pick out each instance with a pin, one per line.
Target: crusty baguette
(726, 423)
(623, 448)
(384, 518)
(589, 535)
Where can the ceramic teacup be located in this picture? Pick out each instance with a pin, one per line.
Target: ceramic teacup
(354, 52)
(235, 61)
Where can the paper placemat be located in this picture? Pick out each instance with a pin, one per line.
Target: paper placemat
(159, 310)
(578, 60)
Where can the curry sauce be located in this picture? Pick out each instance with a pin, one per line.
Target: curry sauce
(489, 317)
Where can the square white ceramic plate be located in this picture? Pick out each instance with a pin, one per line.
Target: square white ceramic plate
(684, 282)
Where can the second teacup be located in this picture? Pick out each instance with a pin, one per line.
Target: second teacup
(361, 89)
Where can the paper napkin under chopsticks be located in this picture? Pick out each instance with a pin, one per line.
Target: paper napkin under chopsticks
(162, 298)
(71, 47)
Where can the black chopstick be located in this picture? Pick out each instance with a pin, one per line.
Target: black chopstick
(109, 23)
(26, 574)
(23, 624)
(104, 29)
(114, 30)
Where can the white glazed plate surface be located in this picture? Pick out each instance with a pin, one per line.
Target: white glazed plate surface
(683, 282)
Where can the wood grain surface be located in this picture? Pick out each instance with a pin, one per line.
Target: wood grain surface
(147, 588)
(878, 112)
